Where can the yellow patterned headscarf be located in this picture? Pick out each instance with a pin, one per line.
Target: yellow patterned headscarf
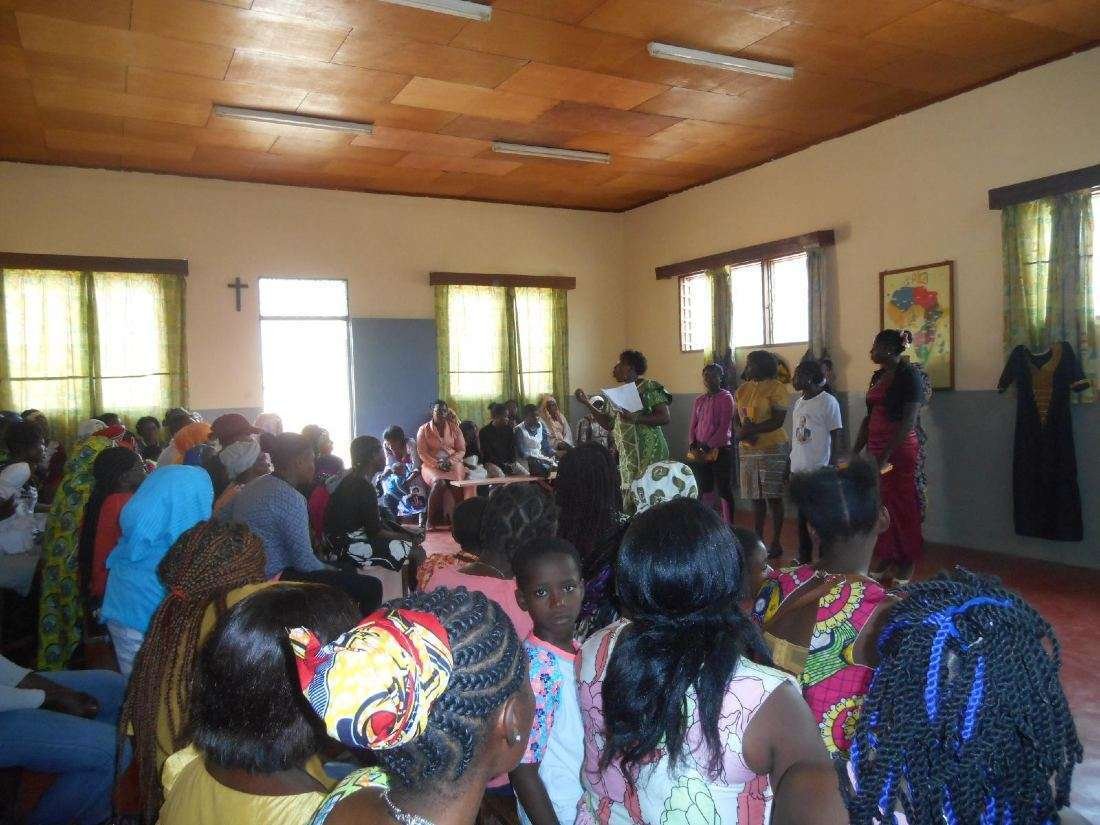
(374, 685)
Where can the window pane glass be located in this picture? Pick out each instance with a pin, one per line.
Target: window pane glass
(475, 316)
(1096, 253)
(303, 296)
(305, 373)
(47, 347)
(747, 286)
(132, 346)
(536, 334)
(694, 312)
(790, 300)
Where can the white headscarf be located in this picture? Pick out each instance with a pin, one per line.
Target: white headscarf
(240, 456)
(12, 479)
(662, 482)
(89, 427)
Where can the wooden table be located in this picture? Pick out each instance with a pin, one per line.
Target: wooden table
(467, 488)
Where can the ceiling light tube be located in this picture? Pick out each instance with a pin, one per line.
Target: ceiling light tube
(458, 8)
(551, 152)
(714, 60)
(289, 119)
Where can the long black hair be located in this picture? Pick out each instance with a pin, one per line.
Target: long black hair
(589, 497)
(107, 470)
(965, 720)
(246, 709)
(678, 579)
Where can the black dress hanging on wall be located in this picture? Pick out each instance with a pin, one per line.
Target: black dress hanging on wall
(1046, 499)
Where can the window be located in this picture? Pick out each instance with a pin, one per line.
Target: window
(1096, 252)
(500, 342)
(694, 312)
(770, 304)
(79, 342)
(304, 344)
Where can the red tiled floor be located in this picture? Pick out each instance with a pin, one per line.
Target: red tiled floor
(1067, 597)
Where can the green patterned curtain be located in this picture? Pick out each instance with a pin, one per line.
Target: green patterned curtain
(496, 343)
(720, 350)
(1047, 248)
(77, 343)
(817, 272)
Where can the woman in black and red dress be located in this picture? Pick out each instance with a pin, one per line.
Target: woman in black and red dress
(888, 435)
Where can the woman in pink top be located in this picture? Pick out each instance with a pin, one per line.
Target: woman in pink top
(709, 451)
(441, 448)
(514, 515)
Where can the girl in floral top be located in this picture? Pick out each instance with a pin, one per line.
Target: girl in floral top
(680, 724)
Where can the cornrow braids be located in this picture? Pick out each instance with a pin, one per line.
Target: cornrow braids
(515, 514)
(588, 497)
(965, 720)
(204, 564)
(489, 667)
(109, 466)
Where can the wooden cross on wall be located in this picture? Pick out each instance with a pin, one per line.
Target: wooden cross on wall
(238, 285)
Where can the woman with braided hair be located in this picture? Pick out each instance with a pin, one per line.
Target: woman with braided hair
(514, 515)
(681, 721)
(463, 714)
(966, 720)
(210, 568)
(116, 473)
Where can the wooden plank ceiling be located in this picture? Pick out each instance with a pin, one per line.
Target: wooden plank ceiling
(129, 84)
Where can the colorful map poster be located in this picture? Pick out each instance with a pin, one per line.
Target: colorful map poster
(921, 299)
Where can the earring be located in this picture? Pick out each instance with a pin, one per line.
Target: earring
(515, 738)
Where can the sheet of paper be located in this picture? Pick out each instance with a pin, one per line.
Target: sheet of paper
(625, 397)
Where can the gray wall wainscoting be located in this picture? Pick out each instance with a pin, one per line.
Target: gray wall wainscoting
(969, 467)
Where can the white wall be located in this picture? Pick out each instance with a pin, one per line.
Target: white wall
(384, 245)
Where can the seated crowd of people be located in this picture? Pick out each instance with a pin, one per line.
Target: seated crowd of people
(288, 651)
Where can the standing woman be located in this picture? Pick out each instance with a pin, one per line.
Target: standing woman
(638, 436)
(441, 448)
(888, 434)
(60, 611)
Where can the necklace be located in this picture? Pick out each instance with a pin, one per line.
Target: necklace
(400, 815)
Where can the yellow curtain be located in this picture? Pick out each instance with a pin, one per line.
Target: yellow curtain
(75, 344)
(496, 343)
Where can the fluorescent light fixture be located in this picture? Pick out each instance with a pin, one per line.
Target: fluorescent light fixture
(289, 119)
(666, 51)
(550, 152)
(458, 8)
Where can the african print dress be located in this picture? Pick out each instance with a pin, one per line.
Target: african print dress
(833, 685)
(60, 610)
(640, 445)
(1046, 497)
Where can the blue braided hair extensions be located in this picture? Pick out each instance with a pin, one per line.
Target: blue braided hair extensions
(974, 700)
(965, 720)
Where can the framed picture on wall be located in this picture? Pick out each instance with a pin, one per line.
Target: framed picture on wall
(921, 299)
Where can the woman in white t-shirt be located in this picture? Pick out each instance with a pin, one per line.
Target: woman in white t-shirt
(815, 442)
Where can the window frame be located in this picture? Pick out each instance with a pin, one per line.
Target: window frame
(346, 318)
(767, 307)
(680, 294)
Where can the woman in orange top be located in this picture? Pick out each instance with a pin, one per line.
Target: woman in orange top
(441, 448)
(116, 473)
